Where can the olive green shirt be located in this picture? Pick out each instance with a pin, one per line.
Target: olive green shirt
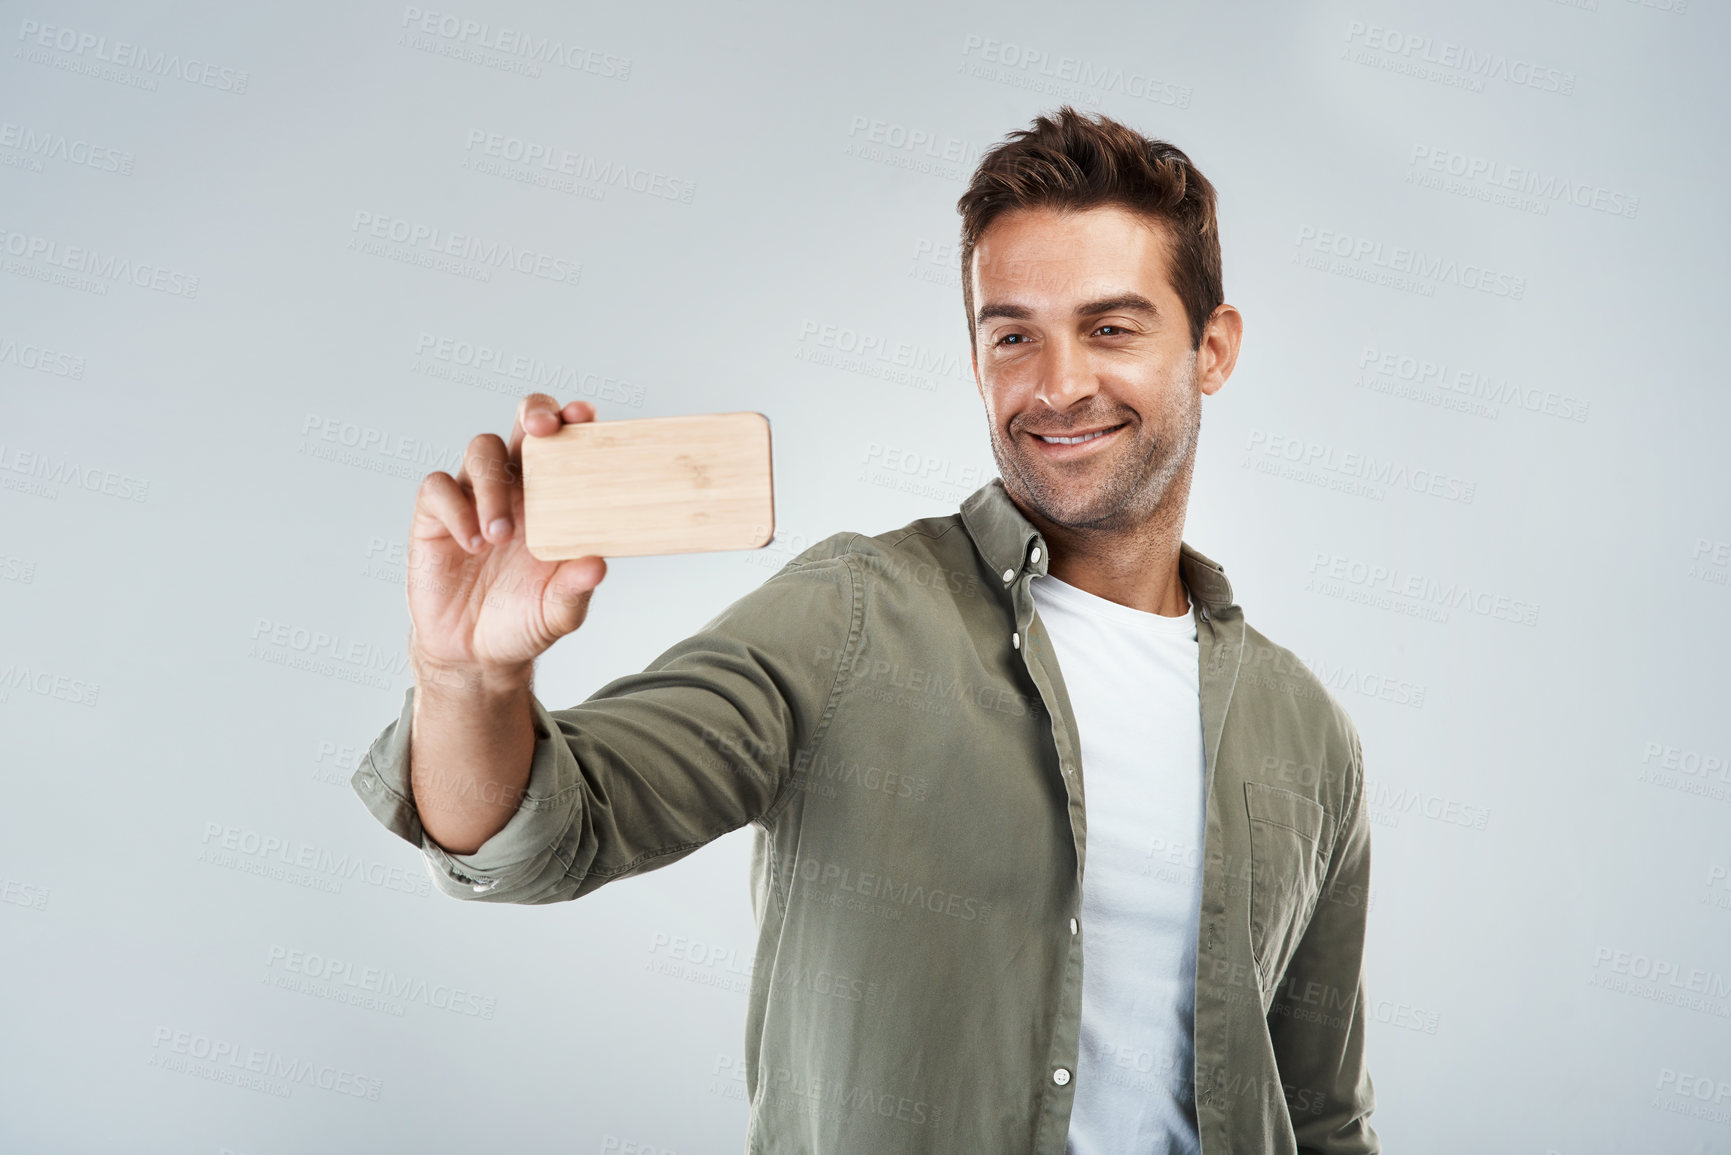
(887, 713)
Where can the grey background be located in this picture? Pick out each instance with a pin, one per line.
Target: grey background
(186, 477)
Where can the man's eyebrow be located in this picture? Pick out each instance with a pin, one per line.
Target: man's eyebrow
(1124, 302)
(1013, 312)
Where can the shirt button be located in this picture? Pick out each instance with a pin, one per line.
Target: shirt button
(1060, 1076)
(1073, 926)
(1016, 640)
(1009, 576)
(1035, 556)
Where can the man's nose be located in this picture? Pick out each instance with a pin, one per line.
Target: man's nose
(1065, 375)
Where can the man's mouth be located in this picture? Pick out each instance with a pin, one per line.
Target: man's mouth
(1076, 438)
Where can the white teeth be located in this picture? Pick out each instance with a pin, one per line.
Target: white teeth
(1071, 440)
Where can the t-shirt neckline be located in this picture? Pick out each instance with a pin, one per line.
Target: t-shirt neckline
(1182, 626)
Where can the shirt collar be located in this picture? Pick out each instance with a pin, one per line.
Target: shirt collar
(1006, 539)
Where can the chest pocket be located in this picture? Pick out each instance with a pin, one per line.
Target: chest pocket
(1289, 835)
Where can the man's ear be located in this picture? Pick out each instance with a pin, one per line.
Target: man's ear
(1217, 352)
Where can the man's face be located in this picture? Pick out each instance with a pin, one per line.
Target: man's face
(1079, 331)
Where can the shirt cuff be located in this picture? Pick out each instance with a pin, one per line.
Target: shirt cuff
(520, 855)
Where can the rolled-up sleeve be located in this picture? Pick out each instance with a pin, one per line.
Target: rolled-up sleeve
(654, 764)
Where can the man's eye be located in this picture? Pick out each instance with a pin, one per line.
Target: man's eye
(1009, 337)
(1120, 328)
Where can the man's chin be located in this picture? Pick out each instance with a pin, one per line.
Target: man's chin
(1073, 509)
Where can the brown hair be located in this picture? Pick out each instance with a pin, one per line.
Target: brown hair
(1073, 161)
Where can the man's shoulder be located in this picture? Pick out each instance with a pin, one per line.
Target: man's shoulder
(1278, 684)
(928, 553)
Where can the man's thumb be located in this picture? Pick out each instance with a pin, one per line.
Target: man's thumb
(569, 588)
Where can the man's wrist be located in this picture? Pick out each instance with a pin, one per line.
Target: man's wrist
(469, 679)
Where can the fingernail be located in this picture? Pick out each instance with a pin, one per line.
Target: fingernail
(475, 542)
(499, 527)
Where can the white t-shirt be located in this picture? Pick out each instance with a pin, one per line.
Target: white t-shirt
(1132, 679)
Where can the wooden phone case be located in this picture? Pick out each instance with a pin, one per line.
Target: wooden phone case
(649, 485)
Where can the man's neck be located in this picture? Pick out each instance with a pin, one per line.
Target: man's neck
(1135, 567)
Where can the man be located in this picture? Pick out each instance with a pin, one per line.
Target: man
(1085, 856)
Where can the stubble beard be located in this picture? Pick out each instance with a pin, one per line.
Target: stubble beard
(1133, 490)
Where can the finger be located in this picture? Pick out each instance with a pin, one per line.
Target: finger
(492, 476)
(532, 419)
(442, 507)
(568, 592)
(537, 416)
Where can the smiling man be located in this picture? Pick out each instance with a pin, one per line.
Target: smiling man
(1053, 851)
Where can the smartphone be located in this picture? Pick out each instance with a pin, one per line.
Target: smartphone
(648, 485)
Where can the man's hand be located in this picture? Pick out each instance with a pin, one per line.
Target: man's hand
(480, 604)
